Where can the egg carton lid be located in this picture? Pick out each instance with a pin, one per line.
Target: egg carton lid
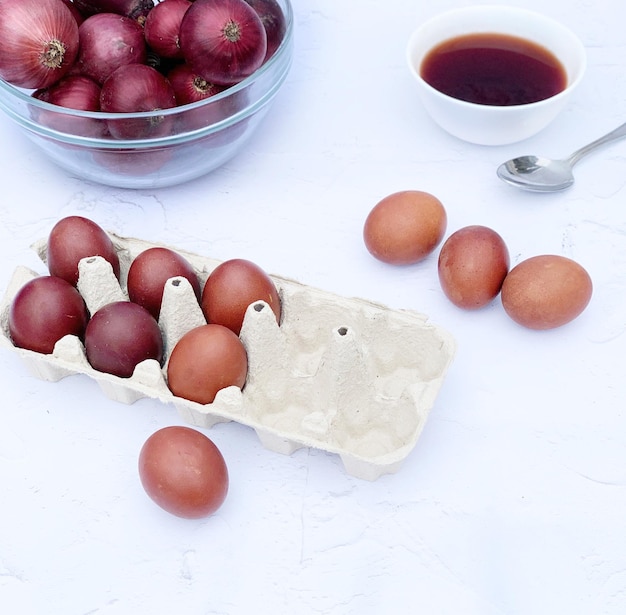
(344, 375)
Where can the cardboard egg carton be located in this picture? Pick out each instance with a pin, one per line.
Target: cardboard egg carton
(343, 375)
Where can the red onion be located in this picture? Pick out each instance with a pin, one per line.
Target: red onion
(163, 25)
(135, 9)
(273, 20)
(39, 41)
(108, 41)
(137, 88)
(78, 16)
(224, 41)
(189, 87)
(72, 92)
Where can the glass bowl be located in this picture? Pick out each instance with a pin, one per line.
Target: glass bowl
(192, 140)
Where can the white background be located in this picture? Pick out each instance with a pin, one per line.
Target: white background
(514, 499)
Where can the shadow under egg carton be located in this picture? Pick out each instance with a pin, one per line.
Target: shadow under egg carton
(344, 375)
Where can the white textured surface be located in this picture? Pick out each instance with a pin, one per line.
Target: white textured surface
(513, 501)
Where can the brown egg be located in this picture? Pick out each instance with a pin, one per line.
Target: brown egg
(473, 263)
(73, 238)
(149, 272)
(119, 336)
(205, 360)
(183, 472)
(405, 227)
(544, 292)
(231, 287)
(43, 311)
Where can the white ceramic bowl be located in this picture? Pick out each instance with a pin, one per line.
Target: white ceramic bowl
(490, 124)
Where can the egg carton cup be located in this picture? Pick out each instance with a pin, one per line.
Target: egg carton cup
(343, 375)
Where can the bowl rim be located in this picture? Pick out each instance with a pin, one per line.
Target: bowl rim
(503, 9)
(25, 96)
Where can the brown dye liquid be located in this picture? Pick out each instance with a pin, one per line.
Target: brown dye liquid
(494, 69)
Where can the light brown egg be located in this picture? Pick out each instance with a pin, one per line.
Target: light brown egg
(206, 360)
(473, 263)
(547, 291)
(231, 287)
(405, 227)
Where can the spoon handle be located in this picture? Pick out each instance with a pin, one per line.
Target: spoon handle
(616, 133)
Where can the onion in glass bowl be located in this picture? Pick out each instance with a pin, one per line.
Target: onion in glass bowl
(190, 149)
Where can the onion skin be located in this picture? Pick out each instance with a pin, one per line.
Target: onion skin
(39, 42)
(108, 41)
(162, 27)
(224, 41)
(137, 88)
(135, 9)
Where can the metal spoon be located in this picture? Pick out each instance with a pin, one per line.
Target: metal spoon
(545, 175)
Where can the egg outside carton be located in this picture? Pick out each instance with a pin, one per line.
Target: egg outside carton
(344, 375)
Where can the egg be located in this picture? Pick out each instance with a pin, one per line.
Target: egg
(230, 289)
(149, 272)
(43, 311)
(74, 238)
(546, 291)
(472, 265)
(405, 227)
(119, 336)
(183, 472)
(205, 360)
